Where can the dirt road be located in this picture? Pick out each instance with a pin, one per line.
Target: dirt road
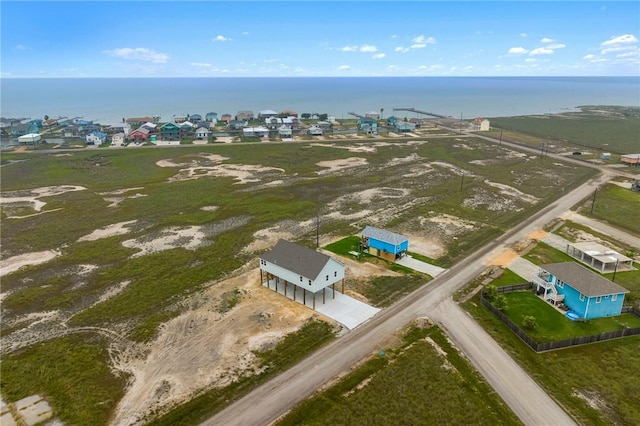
(521, 393)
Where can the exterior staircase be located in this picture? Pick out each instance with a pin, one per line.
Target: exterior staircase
(550, 292)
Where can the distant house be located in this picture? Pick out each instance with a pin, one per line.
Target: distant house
(119, 128)
(288, 113)
(392, 120)
(480, 124)
(256, 132)
(151, 126)
(202, 133)
(368, 125)
(236, 124)
(587, 294)
(264, 114)
(211, 117)
(179, 119)
(305, 269)
(405, 126)
(373, 114)
(630, 159)
(276, 122)
(324, 124)
(285, 132)
(170, 131)
(21, 129)
(139, 121)
(195, 118)
(226, 118)
(118, 139)
(139, 135)
(385, 244)
(96, 138)
(244, 115)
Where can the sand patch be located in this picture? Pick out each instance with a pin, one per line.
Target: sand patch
(17, 201)
(454, 169)
(426, 246)
(121, 191)
(409, 159)
(108, 231)
(339, 165)
(510, 191)
(209, 208)
(204, 348)
(538, 235)
(450, 225)
(267, 238)
(14, 263)
(504, 258)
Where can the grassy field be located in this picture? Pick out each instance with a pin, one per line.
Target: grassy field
(602, 375)
(617, 206)
(553, 325)
(291, 193)
(599, 128)
(416, 383)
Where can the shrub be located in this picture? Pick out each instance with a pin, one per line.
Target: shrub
(529, 322)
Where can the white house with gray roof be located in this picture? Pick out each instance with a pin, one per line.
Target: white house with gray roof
(309, 270)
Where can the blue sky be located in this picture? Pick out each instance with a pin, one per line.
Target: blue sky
(319, 38)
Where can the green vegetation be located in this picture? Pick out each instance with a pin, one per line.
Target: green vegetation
(71, 373)
(599, 128)
(617, 206)
(410, 384)
(553, 325)
(289, 351)
(508, 277)
(543, 253)
(573, 375)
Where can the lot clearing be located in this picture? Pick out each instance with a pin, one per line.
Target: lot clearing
(150, 254)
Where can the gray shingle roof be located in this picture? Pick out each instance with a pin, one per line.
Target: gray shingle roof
(383, 235)
(296, 258)
(586, 282)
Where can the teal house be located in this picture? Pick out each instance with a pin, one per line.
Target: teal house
(382, 243)
(368, 125)
(587, 294)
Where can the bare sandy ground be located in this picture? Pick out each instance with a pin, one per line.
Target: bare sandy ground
(19, 201)
(16, 262)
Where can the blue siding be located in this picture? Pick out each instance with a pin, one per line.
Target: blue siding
(589, 307)
(390, 248)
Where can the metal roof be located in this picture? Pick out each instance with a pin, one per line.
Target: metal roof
(383, 235)
(583, 280)
(296, 258)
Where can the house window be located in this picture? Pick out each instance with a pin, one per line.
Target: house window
(335, 273)
(327, 277)
(598, 299)
(309, 282)
(614, 297)
(581, 297)
(300, 278)
(560, 283)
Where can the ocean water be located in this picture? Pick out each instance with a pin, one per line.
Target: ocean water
(108, 100)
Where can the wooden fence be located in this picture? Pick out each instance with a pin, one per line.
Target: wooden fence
(558, 344)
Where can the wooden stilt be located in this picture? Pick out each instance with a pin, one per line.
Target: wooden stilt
(314, 301)
(334, 290)
(261, 277)
(285, 288)
(294, 291)
(323, 296)
(343, 286)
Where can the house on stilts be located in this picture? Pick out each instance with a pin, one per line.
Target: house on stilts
(298, 268)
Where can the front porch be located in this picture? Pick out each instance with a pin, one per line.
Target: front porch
(547, 290)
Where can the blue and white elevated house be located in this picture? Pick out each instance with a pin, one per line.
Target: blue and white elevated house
(301, 266)
(385, 244)
(587, 294)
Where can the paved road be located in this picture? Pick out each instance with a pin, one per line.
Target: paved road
(274, 398)
(604, 228)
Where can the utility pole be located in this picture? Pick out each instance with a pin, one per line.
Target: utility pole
(614, 271)
(318, 230)
(501, 137)
(462, 181)
(593, 202)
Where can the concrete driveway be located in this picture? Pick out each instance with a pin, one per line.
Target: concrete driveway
(420, 266)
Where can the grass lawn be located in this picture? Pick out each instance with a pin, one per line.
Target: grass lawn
(508, 277)
(553, 325)
(605, 373)
(543, 253)
(414, 384)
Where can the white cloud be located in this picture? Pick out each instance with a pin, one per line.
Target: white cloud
(589, 57)
(221, 38)
(368, 48)
(21, 47)
(517, 51)
(547, 40)
(424, 40)
(402, 49)
(245, 33)
(378, 56)
(394, 36)
(344, 67)
(418, 46)
(623, 39)
(541, 51)
(523, 35)
(556, 46)
(139, 54)
(349, 49)
(200, 65)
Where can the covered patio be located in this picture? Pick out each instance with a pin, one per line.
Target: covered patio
(599, 257)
